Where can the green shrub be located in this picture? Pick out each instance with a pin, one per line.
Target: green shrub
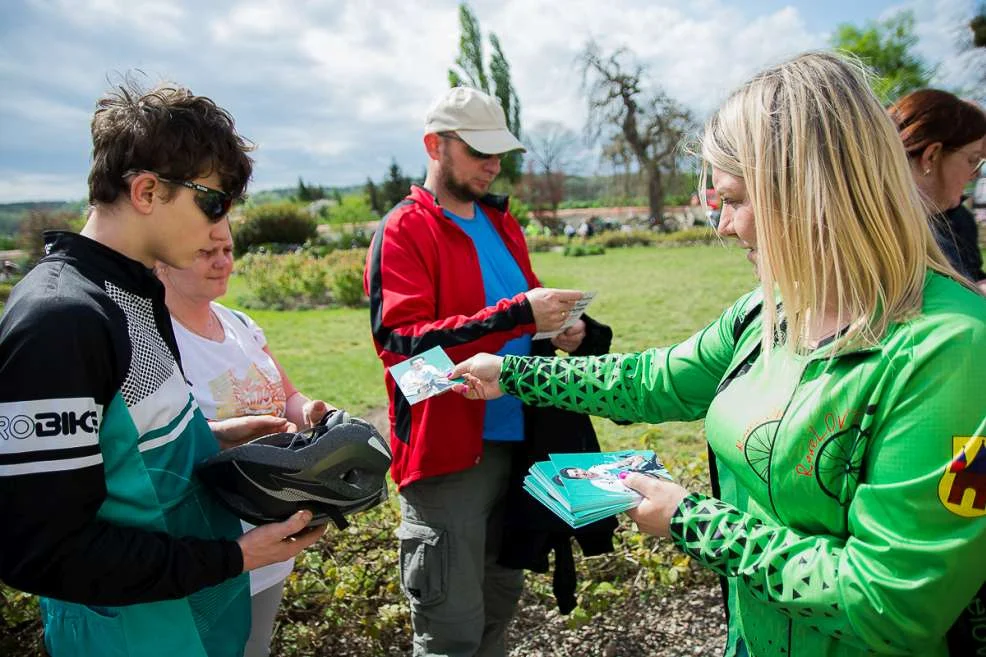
(579, 250)
(696, 235)
(299, 280)
(521, 211)
(7, 242)
(617, 239)
(355, 239)
(285, 281)
(678, 199)
(279, 223)
(318, 247)
(537, 243)
(5, 288)
(346, 592)
(20, 624)
(352, 210)
(347, 276)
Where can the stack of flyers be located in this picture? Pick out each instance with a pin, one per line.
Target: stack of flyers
(585, 487)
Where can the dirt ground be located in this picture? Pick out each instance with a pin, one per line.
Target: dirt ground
(685, 622)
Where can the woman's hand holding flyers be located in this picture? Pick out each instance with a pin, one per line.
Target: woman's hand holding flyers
(661, 499)
(482, 377)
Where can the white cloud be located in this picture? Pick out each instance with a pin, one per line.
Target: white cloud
(159, 22)
(331, 90)
(16, 187)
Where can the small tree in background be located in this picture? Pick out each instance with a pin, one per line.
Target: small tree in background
(471, 72)
(395, 186)
(373, 197)
(552, 148)
(308, 193)
(887, 47)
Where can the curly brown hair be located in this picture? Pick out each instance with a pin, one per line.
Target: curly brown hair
(167, 130)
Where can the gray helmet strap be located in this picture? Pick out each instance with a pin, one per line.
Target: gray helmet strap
(337, 517)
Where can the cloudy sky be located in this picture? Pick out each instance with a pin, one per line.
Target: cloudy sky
(331, 90)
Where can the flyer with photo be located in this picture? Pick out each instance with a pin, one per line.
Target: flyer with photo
(424, 375)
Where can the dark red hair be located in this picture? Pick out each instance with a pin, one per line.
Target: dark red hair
(927, 116)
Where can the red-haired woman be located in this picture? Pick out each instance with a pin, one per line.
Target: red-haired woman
(945, 140)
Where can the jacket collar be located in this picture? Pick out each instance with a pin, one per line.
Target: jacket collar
(93, 256)
(425, 197)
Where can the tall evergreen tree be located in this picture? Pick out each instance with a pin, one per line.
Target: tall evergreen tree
(470, 59)
(471, 72)
(396, 186)
(373, 196)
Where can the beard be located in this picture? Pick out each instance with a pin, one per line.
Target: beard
(455, 187)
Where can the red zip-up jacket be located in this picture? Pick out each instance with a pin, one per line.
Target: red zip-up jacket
(426, 290)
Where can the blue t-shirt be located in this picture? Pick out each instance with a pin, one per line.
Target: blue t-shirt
(502, 279)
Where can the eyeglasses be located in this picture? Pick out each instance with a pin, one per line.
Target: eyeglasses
(473, 153)
(214, 203)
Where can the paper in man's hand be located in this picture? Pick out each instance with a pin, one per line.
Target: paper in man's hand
(573, 316)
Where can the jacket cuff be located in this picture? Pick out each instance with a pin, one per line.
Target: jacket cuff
(522, 311)
(234, 559)
(679, 519)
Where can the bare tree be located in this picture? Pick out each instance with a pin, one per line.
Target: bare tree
(652, 126)
(553, 149)
(626, 180)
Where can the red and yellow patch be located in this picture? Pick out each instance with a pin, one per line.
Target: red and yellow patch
(962, 488)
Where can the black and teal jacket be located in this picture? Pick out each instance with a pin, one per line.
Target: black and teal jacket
(852, 513)
(101, 513)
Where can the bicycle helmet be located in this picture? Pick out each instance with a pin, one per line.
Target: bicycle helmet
(334, 469)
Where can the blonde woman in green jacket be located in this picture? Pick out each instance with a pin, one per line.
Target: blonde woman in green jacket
(846, 414)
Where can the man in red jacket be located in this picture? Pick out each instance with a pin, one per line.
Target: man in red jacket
(449, 267)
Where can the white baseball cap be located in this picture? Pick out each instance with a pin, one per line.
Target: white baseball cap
(476, 117)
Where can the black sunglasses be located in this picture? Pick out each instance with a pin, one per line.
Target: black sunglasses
(473, 153)
(214, 203)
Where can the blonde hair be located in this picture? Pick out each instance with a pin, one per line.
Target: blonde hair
(839, 222)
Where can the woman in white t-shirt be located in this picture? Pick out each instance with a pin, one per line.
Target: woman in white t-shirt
(240, 386)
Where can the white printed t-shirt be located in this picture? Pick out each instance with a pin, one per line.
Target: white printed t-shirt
(232, 378)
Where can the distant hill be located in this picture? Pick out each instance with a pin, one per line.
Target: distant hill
(12, 213)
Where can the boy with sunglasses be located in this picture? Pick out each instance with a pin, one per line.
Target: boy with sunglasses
(101, 512)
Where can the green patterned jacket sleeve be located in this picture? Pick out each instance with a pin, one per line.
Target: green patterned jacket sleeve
(909, 564)
(657, 385)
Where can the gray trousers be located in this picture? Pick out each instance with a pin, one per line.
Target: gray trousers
(461, 600)
(263, 611)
